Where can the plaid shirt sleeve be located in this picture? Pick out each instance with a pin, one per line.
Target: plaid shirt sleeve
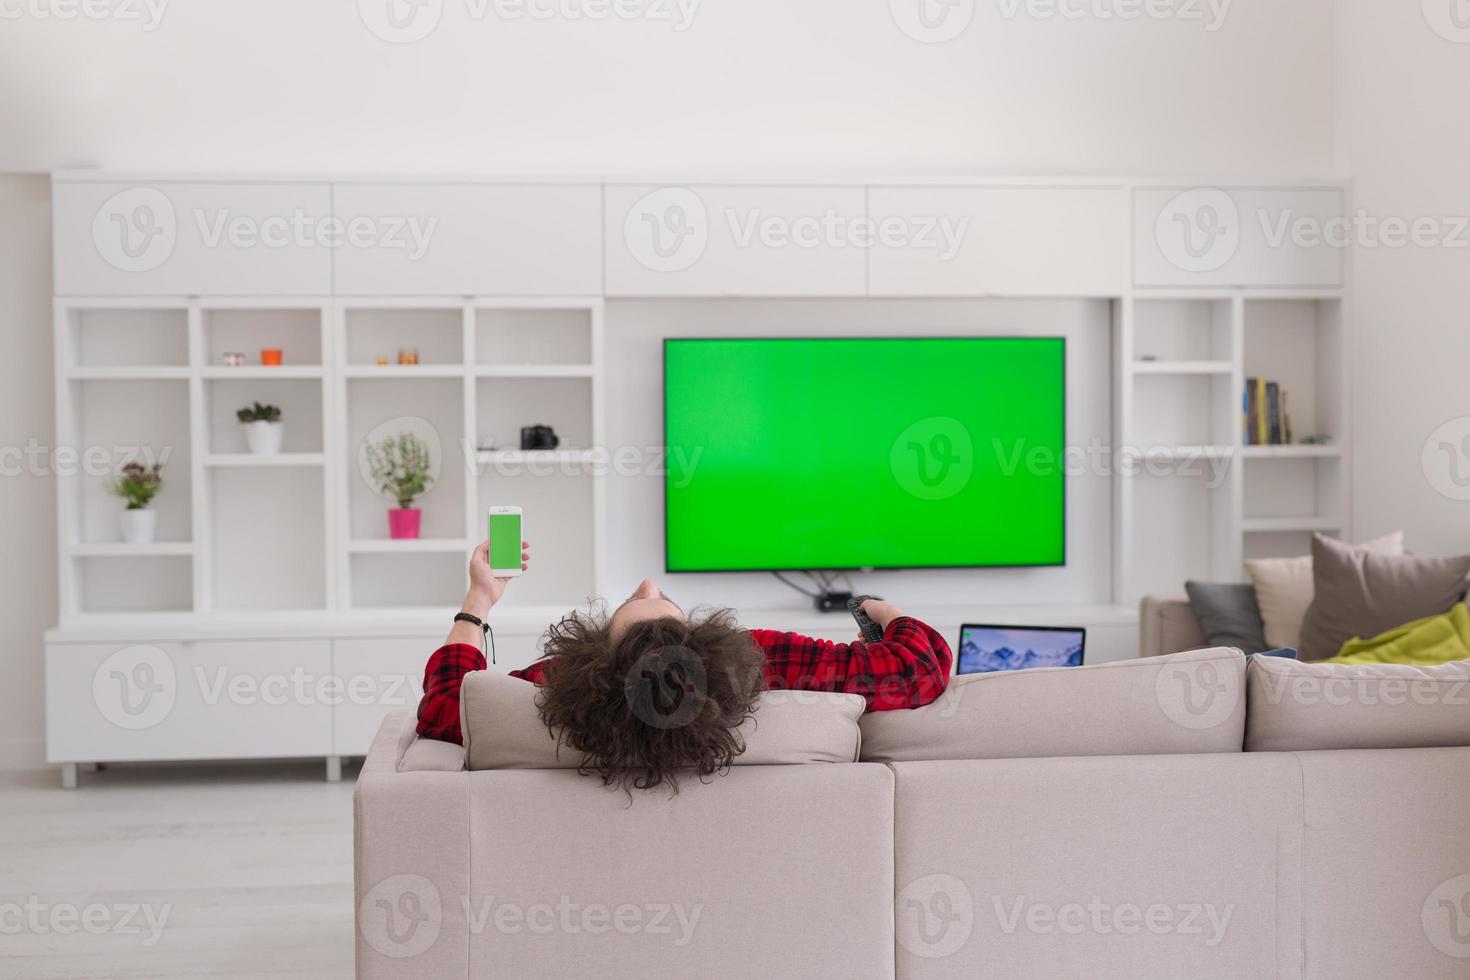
(439, 709)
(908, 669)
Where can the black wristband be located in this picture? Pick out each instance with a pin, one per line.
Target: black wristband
(474, 620)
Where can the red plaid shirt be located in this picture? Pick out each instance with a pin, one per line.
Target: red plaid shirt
(909, 669)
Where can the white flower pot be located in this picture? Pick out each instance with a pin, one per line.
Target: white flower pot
(265, 438)
(138, 526)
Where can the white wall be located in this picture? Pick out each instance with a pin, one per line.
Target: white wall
(635, 418)
(1403, 92)
(27, 495)
(753, 86)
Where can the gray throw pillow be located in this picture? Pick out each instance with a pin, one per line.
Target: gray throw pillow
(1228, 614)
(1361, 594)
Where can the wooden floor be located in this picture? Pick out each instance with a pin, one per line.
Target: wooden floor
(247, 869)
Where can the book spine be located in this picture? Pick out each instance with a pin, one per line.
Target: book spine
(1273, 412)
(1263, 434)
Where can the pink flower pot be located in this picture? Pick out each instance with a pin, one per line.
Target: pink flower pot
(403, 525)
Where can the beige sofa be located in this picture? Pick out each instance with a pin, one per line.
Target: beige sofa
(1096, 822)
(1166, 625)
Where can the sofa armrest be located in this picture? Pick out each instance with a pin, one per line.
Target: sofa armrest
(398, 748)
(411, 860)
(1168, 625)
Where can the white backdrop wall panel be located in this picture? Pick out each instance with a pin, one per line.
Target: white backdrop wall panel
(731, 240)
(1018, 241)
(1238, 236)
(178, 238)
(472, 239)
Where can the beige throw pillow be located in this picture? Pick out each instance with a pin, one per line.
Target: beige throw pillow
(503, 729)
(1284, 589)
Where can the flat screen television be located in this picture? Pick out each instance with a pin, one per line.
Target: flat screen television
(851, 453)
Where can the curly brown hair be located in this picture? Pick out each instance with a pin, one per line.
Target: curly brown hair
(663, 698)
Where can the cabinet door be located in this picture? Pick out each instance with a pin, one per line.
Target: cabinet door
(167, 238)
(1238, 236)
(1015, 241)
(727, 240)
(470, 239)
(116, 702)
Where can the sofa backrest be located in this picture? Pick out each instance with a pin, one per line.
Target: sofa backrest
(1188, 703)
(765, 871)
(1296, 707)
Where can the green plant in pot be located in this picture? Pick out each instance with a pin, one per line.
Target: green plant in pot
(401, 468)
(137, 485)
(264, 430)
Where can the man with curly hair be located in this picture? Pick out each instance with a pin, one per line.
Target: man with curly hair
(649, 692)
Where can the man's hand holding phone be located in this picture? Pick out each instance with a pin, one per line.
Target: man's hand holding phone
(486, 587)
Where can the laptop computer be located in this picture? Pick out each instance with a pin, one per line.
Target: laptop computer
(985, 649)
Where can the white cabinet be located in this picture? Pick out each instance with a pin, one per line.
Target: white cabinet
(174, 238)
(727, 240)
(1239, 236)
(470, 239)
(1017, 241)
(377, 677)
(118, 702)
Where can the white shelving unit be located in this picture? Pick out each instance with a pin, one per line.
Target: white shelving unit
(302, 531)
(266, 565)
(1195, 500)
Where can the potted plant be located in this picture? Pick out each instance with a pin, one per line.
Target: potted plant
(137, 485)
(264, 429)
(400, 466)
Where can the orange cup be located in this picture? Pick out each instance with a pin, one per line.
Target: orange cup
(271, 356)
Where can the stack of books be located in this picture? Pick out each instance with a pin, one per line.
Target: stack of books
(1267, 423)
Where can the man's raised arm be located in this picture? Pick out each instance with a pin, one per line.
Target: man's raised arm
(908, 669)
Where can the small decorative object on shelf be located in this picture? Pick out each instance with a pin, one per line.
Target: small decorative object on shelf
(137, 485)
(1316, 440)
(264, 430)
(382, 362)
(539, 437)
(271, 356)
(400, 467)
(408, 355)
(234, 359)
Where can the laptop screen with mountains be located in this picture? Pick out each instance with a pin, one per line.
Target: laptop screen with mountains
(987, 649)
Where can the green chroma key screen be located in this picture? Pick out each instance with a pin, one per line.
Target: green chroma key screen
(505, 541)
(864, 453)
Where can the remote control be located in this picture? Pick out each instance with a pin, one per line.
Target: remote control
(872, 632)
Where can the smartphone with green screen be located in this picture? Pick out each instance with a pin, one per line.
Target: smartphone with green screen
(506, 534)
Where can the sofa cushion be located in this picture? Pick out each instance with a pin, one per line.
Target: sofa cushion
(1187, 703)
(1361, 594)
(1284, 589)
(1303, 707)
(1228, 614)
(503, 729)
